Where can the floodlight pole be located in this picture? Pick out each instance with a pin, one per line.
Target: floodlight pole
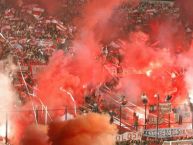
(158, 99)
(191, 108)
(120, 109)
(6, 130)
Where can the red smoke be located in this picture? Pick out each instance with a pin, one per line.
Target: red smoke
(84, 68)
(150, 70)
(56, 77)
(19, 121)
(156, 65)
(35, 135)
(147, 68)
(170, 34)
(68, 73)
(90, 129)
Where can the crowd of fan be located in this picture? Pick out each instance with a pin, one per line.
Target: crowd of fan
(32, 38)
(146, 11)
(137, 16)
(32, 35)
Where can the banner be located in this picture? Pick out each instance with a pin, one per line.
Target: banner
(186, 114)
(165, 108)
(153, 120)
(129, 136)
(179, 142)
(168, 132)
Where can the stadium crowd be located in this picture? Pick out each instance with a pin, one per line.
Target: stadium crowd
(32, 35)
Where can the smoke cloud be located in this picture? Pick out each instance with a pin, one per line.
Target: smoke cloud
(7, 97)
(83, 68)
(154, 66)
(90, 129)
(7, 94)
(35, 135)
(146, 69)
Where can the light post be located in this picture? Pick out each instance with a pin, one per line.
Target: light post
(66, 113)
(145, 101)
(6, 130)
(123, 103)
(157, 124)
(191, 108)
(37, 115)
(120, 109)
(168, 98)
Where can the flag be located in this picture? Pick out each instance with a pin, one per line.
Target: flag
(34, 10)
(165, 108)
(38, 9)
(9, 13)
(37, 12)
(153, 119)
(45, 43)
(60, 27)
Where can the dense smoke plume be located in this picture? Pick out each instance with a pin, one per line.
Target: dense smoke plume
(35, 135)
(170, 34)
(147, 68)
(185, 61)
(55, 79)
(90, 129)
(67, 74)
(21, 118)
(143, 61)
(154, 66)
(8, 96)
(84, 68)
